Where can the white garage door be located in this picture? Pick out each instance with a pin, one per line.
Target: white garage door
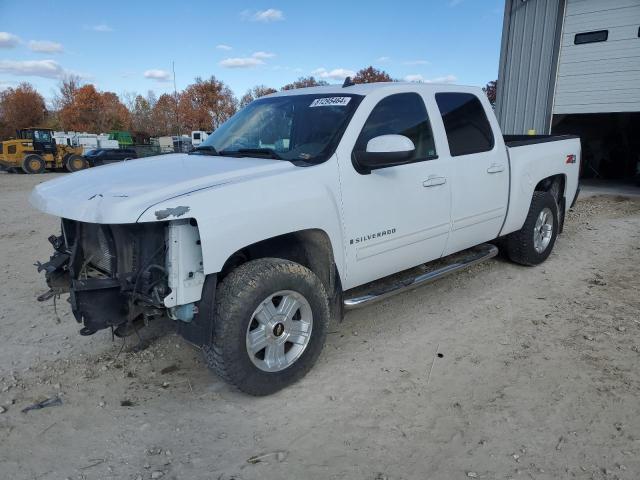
(599, 65)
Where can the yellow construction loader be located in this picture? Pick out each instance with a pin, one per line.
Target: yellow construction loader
(35, 150)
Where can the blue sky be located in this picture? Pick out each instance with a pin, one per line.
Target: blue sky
(129, 46)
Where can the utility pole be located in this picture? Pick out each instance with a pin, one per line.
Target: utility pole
(175, 97)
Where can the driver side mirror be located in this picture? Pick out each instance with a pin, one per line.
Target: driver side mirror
(384, 151)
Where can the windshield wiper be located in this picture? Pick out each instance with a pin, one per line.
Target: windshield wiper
(269, 152)
(210, 150)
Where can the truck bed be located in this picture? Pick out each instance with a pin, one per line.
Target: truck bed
(520, 140)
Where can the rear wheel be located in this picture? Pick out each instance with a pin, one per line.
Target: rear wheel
(75, 163)
(533, 243)
(33, 163)
(270, 324)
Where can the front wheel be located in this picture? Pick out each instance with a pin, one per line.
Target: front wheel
(533, 243)
(270, 324)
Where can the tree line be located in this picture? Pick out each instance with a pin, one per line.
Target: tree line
(202, 105)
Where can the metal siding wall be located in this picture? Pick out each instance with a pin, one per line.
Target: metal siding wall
(600, 77)
(527, 65)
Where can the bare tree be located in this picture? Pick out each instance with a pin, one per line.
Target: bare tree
(255, 92)
(304, 82)
(490, 89)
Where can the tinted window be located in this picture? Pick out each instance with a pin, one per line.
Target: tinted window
(400, 114)
(466, 124)
(591, 37)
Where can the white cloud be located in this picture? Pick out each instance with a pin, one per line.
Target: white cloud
(157, 75)
(416, 62)
(269, 15)
(241, 62)
(99, 28)
(32, 68)
(383, 59)
(224, 47)
(416, 77)
(8, 40)
(335, 74)
(263, 55)
(44, 46)
(445, 79)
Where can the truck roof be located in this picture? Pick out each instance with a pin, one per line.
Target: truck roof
(368, 88)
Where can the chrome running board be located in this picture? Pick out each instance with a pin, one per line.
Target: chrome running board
(457, 262)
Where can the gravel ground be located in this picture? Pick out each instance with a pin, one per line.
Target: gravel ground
(499, 372)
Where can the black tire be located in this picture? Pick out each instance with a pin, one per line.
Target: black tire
(75, 163)
(33, 163)
(520, 245)
(238, 296)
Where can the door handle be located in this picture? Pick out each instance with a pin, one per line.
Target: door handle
(495, 168)
(434, 181)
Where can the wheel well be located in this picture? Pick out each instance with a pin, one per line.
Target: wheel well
(555, 184)
(310, 248)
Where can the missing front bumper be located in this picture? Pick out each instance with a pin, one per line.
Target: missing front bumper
(114, 273)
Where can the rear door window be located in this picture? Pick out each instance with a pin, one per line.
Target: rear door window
(465, 121)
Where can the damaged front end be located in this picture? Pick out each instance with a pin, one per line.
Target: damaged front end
(120, 276)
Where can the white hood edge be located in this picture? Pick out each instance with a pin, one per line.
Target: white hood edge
(121, 192)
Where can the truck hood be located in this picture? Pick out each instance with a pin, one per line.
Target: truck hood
(121, 192)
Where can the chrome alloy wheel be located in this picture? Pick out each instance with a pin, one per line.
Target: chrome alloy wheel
(279, 331)
(543, 230)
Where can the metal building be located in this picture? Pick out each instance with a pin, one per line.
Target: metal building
(573, 66)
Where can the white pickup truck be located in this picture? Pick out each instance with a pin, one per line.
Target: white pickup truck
(305, 203)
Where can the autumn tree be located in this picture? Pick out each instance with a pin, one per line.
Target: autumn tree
(141, 114)
(255, 92)
(490, 89)
(370, 75)
(82, 111)
(164, 120)
(206, 104)
(20, 107)
(115, 116)
(92, 111)
(304, 82)
(66, 91)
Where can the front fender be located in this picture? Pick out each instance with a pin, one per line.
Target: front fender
(235, 215)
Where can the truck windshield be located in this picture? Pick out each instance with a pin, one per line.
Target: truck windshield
(293, 127)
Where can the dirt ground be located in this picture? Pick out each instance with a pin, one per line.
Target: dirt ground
(499, 372)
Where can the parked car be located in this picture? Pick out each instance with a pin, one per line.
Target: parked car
(103, 156)
(305, 203)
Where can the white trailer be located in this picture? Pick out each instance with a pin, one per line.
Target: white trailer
(198, 136)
